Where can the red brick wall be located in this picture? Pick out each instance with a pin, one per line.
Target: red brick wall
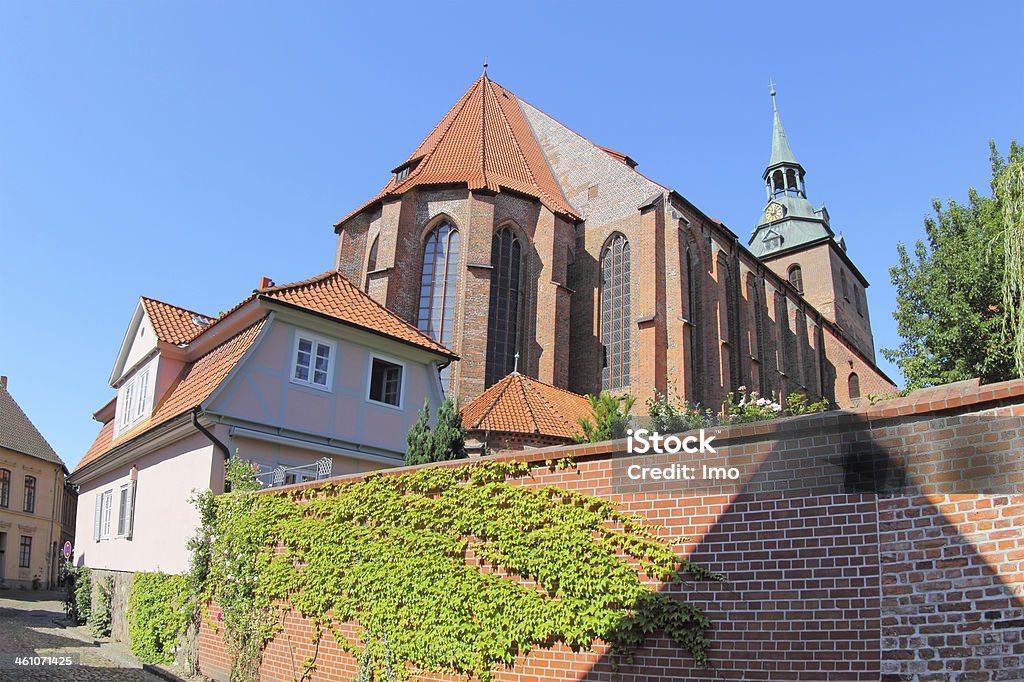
(825, 579)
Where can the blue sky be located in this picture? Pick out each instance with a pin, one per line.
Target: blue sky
(182, 150)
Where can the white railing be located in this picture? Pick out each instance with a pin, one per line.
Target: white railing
(282, 475)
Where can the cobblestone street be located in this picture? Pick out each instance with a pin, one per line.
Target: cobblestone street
(28, 627)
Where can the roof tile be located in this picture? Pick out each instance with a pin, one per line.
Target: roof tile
(173, 324)
(333, 295)
(18, 433)
(485, 142)
(520, 404)
(196, 383)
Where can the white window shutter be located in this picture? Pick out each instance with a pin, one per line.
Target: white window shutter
(96, 522)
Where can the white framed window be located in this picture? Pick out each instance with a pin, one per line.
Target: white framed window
(101, 522)
(139, 405)
(386, 381)
(313, 361)
(127, 408)
(132, 399)
(126, 511)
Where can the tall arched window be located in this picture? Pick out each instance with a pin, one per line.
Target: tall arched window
(842, 279)
(757, 345)
(505, 302)
(437, 287)
(615, 326)
(853, 386)
(694, 314)
(796, 278)
(371, 263)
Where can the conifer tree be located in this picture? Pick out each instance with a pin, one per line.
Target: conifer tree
(449, 438)
(419, 441)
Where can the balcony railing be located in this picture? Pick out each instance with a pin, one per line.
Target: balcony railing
(282, 475)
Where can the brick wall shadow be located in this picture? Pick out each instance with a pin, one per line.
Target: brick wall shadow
(838, 567)
(885, 543)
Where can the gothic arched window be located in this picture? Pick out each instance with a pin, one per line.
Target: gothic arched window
(842, 279)
(505, 301)
(437, 286)
(796, 278)
(853, 386)
(371, 263)
(694, 314)
(615, 325)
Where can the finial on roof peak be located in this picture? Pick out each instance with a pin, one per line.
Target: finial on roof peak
(515, 369)
(485, 65)
(771, 88)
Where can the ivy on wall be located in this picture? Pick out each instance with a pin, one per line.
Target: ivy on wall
(445, 569)
(159, 610)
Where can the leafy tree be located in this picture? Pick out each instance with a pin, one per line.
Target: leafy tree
(949, 291)
(446, 441)
(611, 418)
(1008, 191)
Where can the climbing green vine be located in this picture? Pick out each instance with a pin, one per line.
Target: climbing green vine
(445, 569)
(159, 610)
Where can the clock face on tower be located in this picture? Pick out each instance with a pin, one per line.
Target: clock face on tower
(773, 212)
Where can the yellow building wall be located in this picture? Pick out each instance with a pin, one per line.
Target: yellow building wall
(39, 525)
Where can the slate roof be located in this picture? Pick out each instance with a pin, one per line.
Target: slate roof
(485, 142)
(520, 404)
(18, 433)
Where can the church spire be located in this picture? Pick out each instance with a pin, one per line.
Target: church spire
(781, 152)
(784, 175)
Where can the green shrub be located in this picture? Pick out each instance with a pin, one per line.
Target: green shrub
(78, 595)
(668, 417)
(100, 618)
(159, 611)
(611, 418)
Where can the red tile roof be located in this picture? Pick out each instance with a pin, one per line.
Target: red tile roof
(331, 294)
(519, 404)
(328, 294)
(195, 384)
(173, 324)
(485, 142)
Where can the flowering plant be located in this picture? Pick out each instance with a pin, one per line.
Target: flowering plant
(745, 406)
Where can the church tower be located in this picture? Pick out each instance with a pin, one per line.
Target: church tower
(796, 241)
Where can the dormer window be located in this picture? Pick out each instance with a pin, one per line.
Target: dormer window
(402, 172)
(132, 399)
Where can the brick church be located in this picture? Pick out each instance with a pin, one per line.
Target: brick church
(522, 245)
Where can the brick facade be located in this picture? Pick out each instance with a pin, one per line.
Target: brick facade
(737, 337)
(846, 557)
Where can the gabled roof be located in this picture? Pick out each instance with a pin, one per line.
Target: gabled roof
(519, 404)
(331, 294)
(18, 433)
(173, 324)
(485, 142)
(195, 384)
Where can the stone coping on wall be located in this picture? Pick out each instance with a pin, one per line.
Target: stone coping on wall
(958, 397)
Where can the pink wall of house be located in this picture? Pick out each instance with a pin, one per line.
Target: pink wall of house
(164, 518)
(262, 392)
